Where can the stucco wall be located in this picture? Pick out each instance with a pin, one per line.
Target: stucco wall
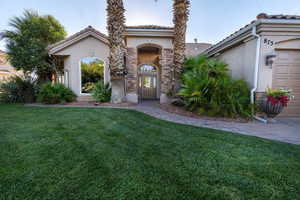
(134, 42)
(241, 60)
(266, 72)
(88, 47)
(6, 70)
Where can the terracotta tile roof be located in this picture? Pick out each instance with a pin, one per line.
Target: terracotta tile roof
(87, 29)
(194, 49)
(281, 16)
(150, 27)
(259, 17)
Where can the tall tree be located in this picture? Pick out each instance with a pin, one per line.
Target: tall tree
(180, 19)
(27, 42)
(116, 28)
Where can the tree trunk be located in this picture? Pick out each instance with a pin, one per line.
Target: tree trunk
(116, 28)
(180, 18)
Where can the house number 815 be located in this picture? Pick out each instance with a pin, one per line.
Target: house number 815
(268, 42)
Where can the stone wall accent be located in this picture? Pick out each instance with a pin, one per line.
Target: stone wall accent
(131, 66)
(166, 70)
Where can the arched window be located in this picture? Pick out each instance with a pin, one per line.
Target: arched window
(147, 68)
(92, 71)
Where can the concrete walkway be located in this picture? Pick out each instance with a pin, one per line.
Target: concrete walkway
(284, 130)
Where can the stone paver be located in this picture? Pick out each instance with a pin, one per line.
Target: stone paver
(284, 130)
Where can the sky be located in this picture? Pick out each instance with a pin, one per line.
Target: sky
(210, 20)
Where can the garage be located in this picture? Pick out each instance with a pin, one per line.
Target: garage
(286, 74)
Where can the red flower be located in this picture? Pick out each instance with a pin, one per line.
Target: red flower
(283, 100)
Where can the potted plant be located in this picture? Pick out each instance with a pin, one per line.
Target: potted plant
(275, 101)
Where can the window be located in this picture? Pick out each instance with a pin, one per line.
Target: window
(147, 68)
(92, 71)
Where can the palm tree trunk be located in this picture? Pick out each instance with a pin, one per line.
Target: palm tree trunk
(116, 28)
(180, 19)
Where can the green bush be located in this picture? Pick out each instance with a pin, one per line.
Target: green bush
(55, 93)
(18, 89)
(101, 92)
(209, 89)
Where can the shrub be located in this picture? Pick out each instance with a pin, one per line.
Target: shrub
(18, 89)
(209, 89)
(55, 93)
(102, 92)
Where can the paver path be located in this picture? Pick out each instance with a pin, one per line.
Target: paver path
(284, 130)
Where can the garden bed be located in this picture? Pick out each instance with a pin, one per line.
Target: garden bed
(87, 104)
(181, 111)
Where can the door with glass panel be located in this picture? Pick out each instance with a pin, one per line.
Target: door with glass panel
(148, 82)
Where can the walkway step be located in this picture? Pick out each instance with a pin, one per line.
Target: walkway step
(85, 98)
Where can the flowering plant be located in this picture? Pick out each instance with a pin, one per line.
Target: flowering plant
(282, 96)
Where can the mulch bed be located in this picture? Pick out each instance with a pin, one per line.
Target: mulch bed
(94, 103)
(86, 104)
(181, 111)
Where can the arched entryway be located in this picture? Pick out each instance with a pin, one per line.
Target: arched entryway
(148, 82)
(148, 70)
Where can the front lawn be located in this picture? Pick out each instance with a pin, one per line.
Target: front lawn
(86, 153)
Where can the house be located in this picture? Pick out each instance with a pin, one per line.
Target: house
(195, 49)
(6, 70)
(266, 53)
(149, 60)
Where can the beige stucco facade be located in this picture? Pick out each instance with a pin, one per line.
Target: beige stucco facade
(6, 69)
(89, 46)
(277, 36)
(148, 47)
(241, 60)
(144, 46)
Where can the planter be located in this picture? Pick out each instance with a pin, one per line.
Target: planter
(271, 109)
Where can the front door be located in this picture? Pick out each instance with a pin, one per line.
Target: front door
(148, 82)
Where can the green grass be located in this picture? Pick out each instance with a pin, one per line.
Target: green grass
(84, 153)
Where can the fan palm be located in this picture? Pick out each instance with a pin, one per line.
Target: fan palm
(116, 28)
(180, 18)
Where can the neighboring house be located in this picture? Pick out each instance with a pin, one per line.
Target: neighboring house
(6, 70)
(195, 49)
(149, 59)
(270, 44)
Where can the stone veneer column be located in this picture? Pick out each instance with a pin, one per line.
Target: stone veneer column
(166, 74)
(131, 77)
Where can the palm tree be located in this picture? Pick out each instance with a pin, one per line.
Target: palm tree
(180, 18)
(116, 27)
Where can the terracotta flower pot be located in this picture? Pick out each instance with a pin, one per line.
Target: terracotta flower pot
(271, 109)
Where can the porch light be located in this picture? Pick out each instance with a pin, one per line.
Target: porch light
(270, 59)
